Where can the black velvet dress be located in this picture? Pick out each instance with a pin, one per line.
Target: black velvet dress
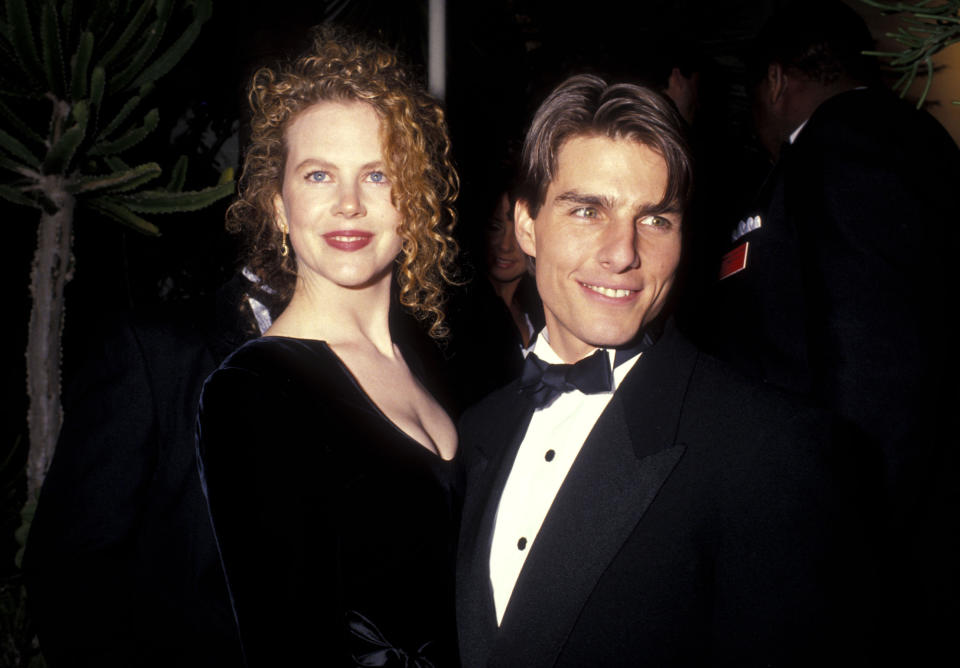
(336, 529)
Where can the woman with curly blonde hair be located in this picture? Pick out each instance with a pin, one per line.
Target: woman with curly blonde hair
(326, 463)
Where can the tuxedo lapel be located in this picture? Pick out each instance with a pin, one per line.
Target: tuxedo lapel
(624, 462)
(504, 426)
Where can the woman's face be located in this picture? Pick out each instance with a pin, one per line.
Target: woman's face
(335, 197)
(505, 261)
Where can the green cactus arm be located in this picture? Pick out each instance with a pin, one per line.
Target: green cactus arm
(164, 9)
(100, 20)
(80, 112)
(61, 153)
(66, 15)
(175, 53)
(52, 50)
(131, 138)
(81, 63)
(13, 166)
(21, 37)
(203, 9)
(170, 57)
(121, 116)
(161, 201)
(14, 195)
(116, 163)
(128, 33)
(59, 157)
(13, 120)
(178, 177)
(14, 82)
(13, 146)
(121, 214)
(116, 181)
(98, 82)
(151, 39)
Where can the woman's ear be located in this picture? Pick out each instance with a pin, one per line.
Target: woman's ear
(280, 214)
(525, 229)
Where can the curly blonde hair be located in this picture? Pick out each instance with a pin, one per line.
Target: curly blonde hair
(416, 148)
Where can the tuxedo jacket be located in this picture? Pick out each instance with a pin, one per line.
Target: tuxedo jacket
(701, 524)
(121, 565)
(849, 279)
(847, 297)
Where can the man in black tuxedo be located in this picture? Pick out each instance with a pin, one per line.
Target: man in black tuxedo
(121, 564)
(839, 285)
(644, 506)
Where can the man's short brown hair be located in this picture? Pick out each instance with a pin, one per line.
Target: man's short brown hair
(586, 105)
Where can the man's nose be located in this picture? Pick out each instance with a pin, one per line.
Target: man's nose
(618, 246)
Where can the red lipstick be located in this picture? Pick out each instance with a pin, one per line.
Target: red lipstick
(348, 240)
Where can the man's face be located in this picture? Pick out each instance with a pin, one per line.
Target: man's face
(606, 252)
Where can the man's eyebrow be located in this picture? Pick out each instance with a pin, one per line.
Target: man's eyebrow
(585, 199)
(660, 208)
(602, 201)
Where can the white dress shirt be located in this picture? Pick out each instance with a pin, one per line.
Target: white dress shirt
(553, 439)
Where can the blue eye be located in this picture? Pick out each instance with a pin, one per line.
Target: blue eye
(377, 177)
(317, 177)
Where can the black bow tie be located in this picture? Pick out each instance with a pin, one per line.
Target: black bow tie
(545, 382)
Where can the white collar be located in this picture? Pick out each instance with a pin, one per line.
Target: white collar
(793, 135)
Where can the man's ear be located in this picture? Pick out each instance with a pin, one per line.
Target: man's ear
(280, 214)
(776, 83)
(524, 228)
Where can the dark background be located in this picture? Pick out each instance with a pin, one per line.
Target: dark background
(502, 57)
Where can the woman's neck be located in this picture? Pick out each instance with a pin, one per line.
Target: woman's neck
(338, 315)
(505, 290)
(508, 293)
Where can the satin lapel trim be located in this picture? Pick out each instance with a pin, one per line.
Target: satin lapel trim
(578, 540)
(476, 617)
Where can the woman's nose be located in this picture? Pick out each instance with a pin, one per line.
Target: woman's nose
(349, 203)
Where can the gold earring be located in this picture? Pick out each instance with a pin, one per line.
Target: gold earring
(284, 249)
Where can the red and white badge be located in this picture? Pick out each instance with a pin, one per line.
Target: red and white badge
(734, 261)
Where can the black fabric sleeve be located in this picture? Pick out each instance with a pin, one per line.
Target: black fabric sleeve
(266, 493)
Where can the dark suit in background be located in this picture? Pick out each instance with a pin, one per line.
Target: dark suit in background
(121, 565)
(846, 298)
(847, 289)
(700, 525)
(847, 293)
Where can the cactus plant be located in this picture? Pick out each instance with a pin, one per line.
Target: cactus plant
(74, 78)
(926, 28)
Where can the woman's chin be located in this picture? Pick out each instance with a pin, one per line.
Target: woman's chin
(506, 274)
